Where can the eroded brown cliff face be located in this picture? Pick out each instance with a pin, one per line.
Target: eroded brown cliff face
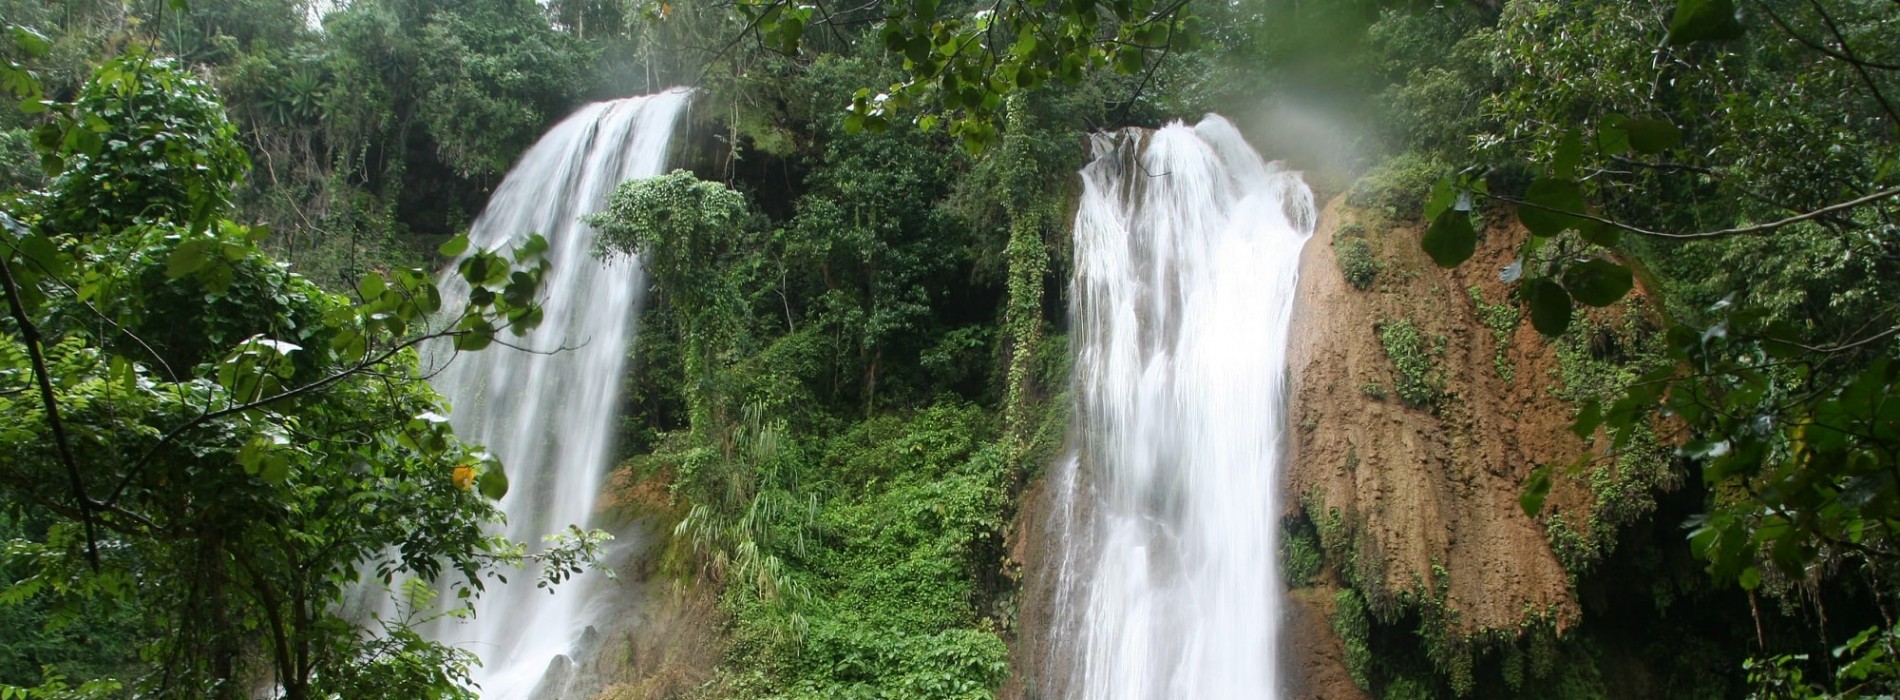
(1428, 497)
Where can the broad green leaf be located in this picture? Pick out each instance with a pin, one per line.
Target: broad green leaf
(1569, 153)
(493, 483)
(1444, 193)
(45, 255)
(1652, 136)
(475, 340)
(275, 469)
(1552, 202)
(1613, 136)
(190, 257)
(454, 246)
(1703, 20)
(1550, 306)
(1535, 490)
(371, 286)
(1450, 240)
(1588, 418)
(1598, 282)
(1599, 233)
(30, 41)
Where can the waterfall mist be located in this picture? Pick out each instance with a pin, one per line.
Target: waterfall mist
(1187, 248)
(550, 417)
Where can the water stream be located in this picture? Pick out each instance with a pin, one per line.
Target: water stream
(1187, 248)
(551, 417)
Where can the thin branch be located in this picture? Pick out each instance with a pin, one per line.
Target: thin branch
(1860, 68)
(1788, 29)
(1736, 231)
(31, 334)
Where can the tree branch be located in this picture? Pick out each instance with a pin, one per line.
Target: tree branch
(1736, 231)
(31, 334)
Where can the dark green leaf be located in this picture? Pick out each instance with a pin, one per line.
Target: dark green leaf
(1569, 153)
(1703, 20)
(1551, 208)
(1444, 194)
(45, 255)
(1535, 490)
(1550, 306)
(1613, 136)
(475, 340)
(1588, 418)
(1450, 240)
(1598, 282)
(1652, 136)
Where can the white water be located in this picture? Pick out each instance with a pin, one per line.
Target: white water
(550, 417)
(1187, 250)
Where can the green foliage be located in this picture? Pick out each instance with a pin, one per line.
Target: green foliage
(1356, 261)
(1502, 319)
(1300, 556)
(1403, 688)
(1418, 379)
(212, 450)
(144, 140)
(19, 168)
(1867, 668)
(497, 74)
(1354, 629)
(1397, 187)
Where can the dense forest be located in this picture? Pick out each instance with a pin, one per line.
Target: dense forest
(223, 220)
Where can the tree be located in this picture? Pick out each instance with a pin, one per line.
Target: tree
(1698, 159)
(195, 434)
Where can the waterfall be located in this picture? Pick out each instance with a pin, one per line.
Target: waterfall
(1187, 250)
(550, 418)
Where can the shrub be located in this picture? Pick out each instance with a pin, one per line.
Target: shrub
(1356, 261)
(1397, 188)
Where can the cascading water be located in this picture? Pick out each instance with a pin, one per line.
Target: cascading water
(1187, 249)
(550, 417)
